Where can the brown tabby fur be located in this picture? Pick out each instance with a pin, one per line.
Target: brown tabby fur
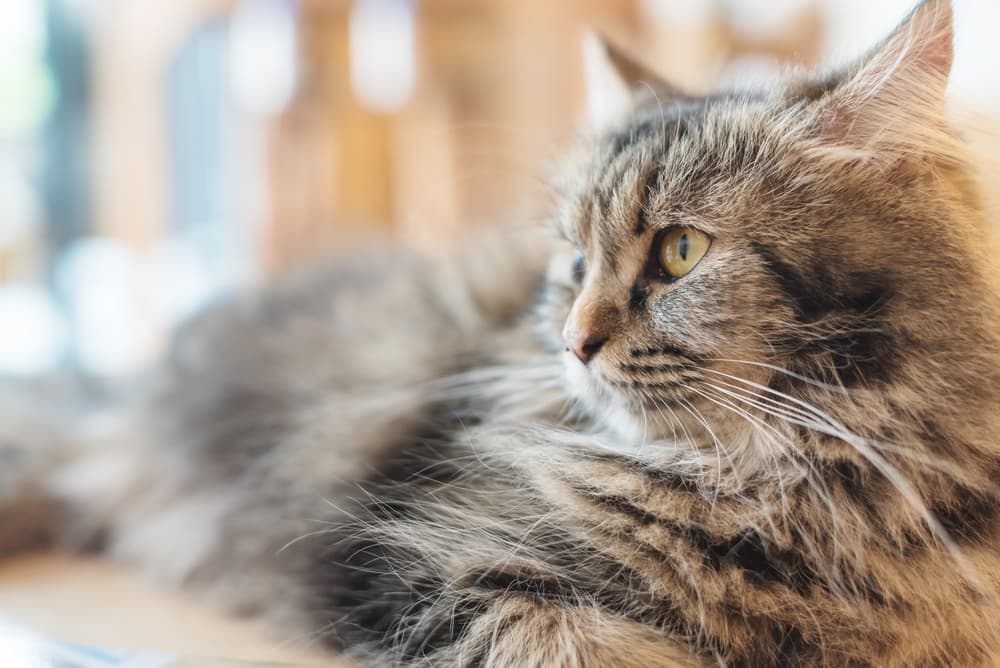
(788, 456)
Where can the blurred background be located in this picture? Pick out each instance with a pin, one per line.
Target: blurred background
(157, 154)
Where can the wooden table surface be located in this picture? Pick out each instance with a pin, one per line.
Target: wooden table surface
(95, 603)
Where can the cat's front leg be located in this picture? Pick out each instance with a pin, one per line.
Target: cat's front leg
(536, 633)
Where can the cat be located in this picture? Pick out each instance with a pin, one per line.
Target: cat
(742, 411)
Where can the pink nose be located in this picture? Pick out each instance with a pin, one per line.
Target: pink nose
(584, 345)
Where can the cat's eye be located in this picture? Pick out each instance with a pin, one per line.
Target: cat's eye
(681, 249)
(579, 266)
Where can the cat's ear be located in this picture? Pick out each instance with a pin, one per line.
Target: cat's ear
(615, 80)
(895, 95)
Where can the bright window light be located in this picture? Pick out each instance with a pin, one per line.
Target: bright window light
(383, 53)
(27, 92)
(34, 333)
(262, 55)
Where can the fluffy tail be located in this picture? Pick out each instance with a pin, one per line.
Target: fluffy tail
(41, 437)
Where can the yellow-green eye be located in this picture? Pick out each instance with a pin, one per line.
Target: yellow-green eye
(682, 248)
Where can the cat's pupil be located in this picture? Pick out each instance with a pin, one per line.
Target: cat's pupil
(682, 247)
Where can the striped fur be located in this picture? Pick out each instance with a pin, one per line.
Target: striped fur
(786, 457)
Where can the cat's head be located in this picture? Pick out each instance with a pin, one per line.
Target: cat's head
(715, 245)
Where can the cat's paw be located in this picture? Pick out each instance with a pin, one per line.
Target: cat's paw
(27, 516)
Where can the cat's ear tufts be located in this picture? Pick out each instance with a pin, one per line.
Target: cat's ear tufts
(615, 81)
(896, 93)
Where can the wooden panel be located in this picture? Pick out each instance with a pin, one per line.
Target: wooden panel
(498, 96)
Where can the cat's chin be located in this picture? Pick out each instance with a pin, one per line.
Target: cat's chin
(607, 407)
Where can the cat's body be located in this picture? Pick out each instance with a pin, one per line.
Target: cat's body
(779, 451)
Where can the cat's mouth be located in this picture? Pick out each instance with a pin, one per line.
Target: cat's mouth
(586, 381)
(630, 386)
(636, 404)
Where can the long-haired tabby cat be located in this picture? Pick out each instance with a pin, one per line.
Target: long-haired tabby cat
(750, 420)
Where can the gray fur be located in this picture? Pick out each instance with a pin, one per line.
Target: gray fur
(786, 457)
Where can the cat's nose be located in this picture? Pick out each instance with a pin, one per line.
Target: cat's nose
(584, 345)
(589, 325)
